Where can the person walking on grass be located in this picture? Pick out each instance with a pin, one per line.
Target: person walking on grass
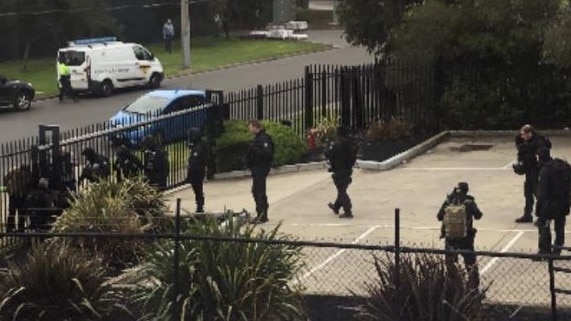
(168, 35)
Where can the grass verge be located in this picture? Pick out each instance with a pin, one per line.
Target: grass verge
(206, 54)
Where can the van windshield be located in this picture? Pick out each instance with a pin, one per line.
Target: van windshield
(76, 58)
(147, 104)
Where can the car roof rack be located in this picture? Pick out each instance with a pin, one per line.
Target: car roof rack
(89, 42)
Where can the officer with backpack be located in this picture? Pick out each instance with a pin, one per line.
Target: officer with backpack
(342, 155)
(96, 168)
(457, 215)
(552, 201)
(528, 143)
(155, 162)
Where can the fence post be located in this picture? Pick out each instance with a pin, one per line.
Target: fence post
(552, 290)
(397, 262)
(260, 102)
(308, 98)
(324, 93)
(345, 97)
(358, 93)
(176, 258)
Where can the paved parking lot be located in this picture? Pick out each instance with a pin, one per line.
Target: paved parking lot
(298, 201)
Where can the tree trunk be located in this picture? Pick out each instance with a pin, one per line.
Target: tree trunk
(26, 54)
(226, 31)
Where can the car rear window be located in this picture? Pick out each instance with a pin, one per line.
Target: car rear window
(147, 104)
(76, 58)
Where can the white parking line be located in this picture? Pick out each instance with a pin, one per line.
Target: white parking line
(508, 165)
(337, 254)
(504, 250)
(455, 168)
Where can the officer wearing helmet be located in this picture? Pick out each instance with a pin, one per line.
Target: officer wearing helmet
(197, 166)
(126, 165)
(96, 168)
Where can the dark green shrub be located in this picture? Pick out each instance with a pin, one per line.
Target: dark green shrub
(57, 283)
(231, 147)
(222, 280)
(428, 292)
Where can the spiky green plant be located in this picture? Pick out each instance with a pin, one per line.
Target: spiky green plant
(57, 283)
(429, 291)
(106, 207)
(221, 280)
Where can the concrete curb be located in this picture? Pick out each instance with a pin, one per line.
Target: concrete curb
(406, 155)
(503, 133)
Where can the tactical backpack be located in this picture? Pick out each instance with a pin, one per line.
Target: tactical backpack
(455, 221)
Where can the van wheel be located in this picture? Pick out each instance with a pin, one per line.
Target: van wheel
(106, 88)
(155, 81)
(22, 101)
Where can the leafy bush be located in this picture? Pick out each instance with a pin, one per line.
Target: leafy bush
(326, 129)
(393, 129)
(221, 280)
(231, 146)
(58, 283)
(109, 207)
(428, 292)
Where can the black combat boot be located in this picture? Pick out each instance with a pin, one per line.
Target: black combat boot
(333, 208)
(348, 214)
(199, 209)
(525, 219)
(260, 218)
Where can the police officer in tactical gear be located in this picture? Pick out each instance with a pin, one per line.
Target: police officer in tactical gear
(528, 143)
(155, 162)
(197, 166)
(96, 168)
(459, 196)
(18, 182)
(40, 206)
(342, 155)
(552, 201)
(126, 165)
(259, 159)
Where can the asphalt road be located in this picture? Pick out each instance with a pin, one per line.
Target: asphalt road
(14, 125)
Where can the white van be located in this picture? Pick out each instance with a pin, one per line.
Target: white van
(99, 65)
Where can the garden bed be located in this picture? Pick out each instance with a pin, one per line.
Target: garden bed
(382, 150)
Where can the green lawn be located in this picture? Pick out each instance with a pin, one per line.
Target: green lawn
(206, 54)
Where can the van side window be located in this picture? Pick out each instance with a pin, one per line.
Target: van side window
(141, 53)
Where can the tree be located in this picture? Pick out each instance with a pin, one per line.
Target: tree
(48, 24)
(243, 13)
(369, 22)
(491, 57)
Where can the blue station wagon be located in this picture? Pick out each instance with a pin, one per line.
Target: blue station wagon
(159, 103)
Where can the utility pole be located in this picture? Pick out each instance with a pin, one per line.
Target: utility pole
(185, 32)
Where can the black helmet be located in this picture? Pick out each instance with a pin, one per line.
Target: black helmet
(342, 131)
(89, 153)
(194, 135)
(463, 187)
(122, 151)
(149, 142)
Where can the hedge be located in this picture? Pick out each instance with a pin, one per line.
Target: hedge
(230, 148)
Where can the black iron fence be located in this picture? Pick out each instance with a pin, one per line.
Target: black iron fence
(357, 95)
(513, 286)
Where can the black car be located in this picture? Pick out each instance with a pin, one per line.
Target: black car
(16, 94)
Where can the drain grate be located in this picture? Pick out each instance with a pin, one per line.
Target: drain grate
(471, 147)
